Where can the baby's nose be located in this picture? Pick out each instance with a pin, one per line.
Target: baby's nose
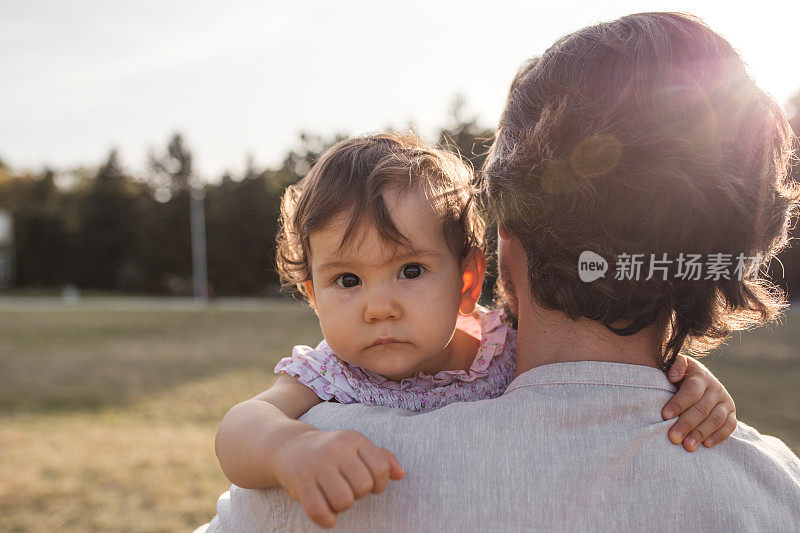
(381, 307)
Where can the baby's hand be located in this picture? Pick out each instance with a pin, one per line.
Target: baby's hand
(327, 471)
(709, 414)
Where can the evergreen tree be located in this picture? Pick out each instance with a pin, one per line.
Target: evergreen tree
(108, 236)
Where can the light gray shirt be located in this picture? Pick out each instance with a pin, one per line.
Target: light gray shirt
(569, 446)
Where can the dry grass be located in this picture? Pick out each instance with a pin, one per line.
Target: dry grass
(107, 417)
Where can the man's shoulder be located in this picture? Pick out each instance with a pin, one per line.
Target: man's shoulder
(747, 442)
(470, 461)
(332, 416)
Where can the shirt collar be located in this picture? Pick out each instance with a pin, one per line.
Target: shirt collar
(594, 373)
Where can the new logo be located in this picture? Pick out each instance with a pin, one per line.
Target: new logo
(591, 266)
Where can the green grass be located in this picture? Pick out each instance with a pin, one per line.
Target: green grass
(107, 416)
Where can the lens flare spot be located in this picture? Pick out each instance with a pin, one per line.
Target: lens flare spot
(596, 155)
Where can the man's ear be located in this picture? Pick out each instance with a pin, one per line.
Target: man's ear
(503, 232)
(307, 288)
(472, 273)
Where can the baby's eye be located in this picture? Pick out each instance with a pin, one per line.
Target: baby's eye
(347, 280)
(411, 271)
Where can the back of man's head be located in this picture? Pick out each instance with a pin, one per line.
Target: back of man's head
(646, 135)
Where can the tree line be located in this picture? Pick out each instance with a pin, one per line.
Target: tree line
(105, 229)
(108, 230)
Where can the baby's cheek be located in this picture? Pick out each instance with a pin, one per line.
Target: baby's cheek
(342, 342)
(341, 347)
(437, 330)
(334, 334)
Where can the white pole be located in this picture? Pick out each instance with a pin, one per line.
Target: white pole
(197, 218)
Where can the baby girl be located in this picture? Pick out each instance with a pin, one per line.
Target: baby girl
(385, 240)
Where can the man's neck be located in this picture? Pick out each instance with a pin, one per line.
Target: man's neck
(551, 337)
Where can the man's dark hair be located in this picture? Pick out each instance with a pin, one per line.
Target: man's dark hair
(645, 135)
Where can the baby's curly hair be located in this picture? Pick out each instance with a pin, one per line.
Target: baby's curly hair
(352, 176)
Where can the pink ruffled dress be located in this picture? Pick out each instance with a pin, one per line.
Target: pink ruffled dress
(490, 373)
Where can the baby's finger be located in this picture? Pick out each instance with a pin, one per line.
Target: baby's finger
(712, 423)
(378, 465)
(678, 368)
(357, 475)
(317, 508)
(689, 394)
(336, 490)
(724, 432)
(692, 417)
(396, 472)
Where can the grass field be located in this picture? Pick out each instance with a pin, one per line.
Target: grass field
(108, 409)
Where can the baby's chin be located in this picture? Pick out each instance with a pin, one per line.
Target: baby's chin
(390, 361)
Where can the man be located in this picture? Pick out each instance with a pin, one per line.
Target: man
(643, 140)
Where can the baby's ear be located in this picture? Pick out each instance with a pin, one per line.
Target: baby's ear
(307, 289)
(473, 270)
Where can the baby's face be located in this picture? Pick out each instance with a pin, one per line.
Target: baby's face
(389, 311)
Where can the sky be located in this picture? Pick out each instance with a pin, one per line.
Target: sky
(240, 79)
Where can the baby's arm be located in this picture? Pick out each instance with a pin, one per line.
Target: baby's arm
(252, 430)
(260, 443)
(707, 412)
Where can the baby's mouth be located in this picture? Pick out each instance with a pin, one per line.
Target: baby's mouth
(384, 340)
